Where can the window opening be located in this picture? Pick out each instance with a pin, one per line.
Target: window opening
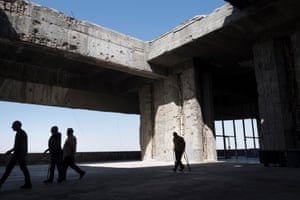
(237, 140)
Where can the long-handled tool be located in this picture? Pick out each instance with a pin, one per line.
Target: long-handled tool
(187, 161)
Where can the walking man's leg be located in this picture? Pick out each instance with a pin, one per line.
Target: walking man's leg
(65, 165)
(178, 156)
(180, 163)
(176, 160)
(59, 166)
(76, 168)
(8, 169)
(51, 170)
(23, 167)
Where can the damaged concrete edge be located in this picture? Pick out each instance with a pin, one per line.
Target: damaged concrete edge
(37, 25)
(194, 29)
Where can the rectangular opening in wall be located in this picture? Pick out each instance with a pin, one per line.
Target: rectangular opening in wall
(100, 135)
(237, 140)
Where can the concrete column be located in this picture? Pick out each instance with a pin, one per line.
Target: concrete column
(192, 127)
(207, 105)
(172, 105)
(146, 122)
(272, 65)
(295, 41)
(167, 116)
(159, 105)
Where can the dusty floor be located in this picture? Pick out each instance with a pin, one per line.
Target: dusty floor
(154, 180)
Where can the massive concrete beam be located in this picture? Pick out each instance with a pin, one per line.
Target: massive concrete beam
(33, 25)
(26, 92)
(185, 34)
(226, 35)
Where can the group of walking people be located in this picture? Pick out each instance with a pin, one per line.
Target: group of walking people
(60, 158)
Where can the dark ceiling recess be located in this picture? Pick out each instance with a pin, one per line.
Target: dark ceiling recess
(241, 4)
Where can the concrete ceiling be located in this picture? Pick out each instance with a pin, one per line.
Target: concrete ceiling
(226, 49)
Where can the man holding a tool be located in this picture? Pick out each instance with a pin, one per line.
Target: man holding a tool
(179, 148)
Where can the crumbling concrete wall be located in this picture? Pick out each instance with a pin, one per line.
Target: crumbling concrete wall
(172, 105)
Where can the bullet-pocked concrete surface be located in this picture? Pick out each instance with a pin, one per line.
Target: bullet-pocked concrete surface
(153, 180)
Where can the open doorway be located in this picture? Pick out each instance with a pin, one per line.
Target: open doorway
(237, 140)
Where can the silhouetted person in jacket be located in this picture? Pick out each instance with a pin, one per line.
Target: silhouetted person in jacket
(56, 153)
(179, 148)
(69, 151)
(19, 151)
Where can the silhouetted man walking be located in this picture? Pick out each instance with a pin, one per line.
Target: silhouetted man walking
(54, 147)
(179, 148)
(20, 151)
(69, 151)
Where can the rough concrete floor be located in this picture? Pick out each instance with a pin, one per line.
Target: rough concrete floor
(153, 180)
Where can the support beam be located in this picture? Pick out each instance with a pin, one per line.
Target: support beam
(26, 92)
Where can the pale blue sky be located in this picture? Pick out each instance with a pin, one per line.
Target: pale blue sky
(100, 131)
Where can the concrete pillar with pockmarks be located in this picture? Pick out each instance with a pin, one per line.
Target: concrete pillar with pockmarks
(172, 105)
